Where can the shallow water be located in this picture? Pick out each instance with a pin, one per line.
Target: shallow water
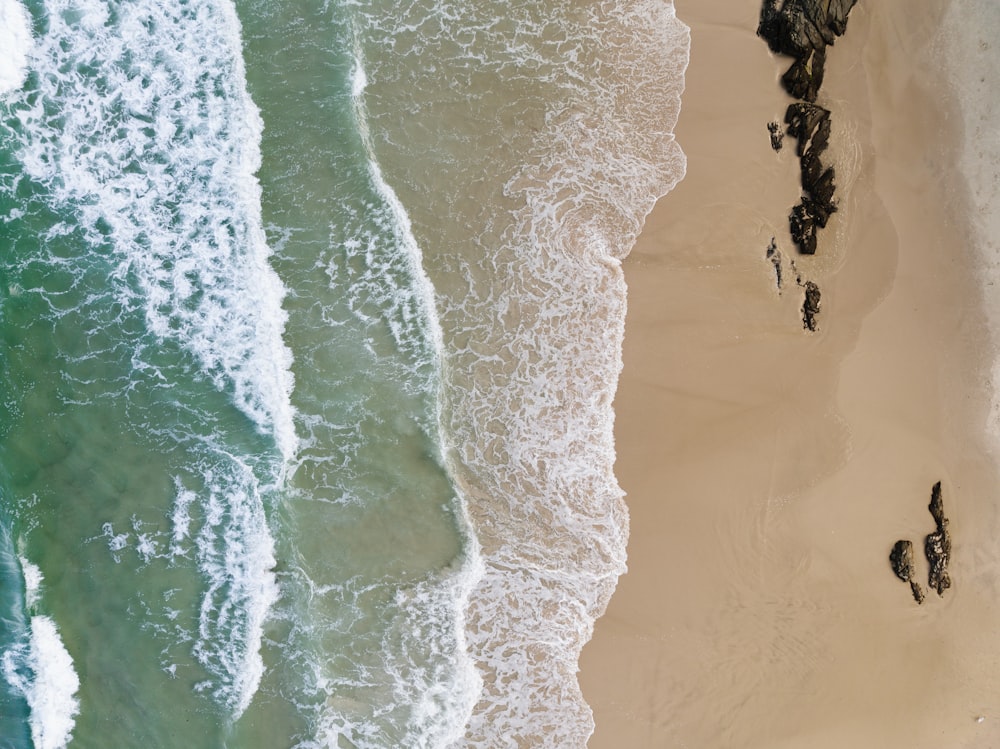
(311, 324)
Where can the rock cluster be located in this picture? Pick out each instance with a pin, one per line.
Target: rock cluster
(937, 549)
(803, 29)
(810, 124)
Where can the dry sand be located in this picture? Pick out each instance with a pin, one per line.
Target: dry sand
(769, 471)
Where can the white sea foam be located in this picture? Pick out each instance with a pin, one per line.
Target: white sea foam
(359, 79)
(235, 553)
(32, 583)
(15, 41)
(140, 125)
(426, 682)
(534, 304)
(181, 519)
(419, 293)
(428, 678)
(116, 541)
(41, 669)
(222, 526)
(145, 129)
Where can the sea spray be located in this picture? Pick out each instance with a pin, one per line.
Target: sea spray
(375, 568)
(15, 41)
(41, 669)
(418, 297)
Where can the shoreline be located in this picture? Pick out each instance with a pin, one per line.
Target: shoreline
(769, 471)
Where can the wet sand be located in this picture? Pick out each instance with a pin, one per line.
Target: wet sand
(769, 470)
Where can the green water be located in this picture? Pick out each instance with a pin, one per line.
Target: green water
(311, 321)
(160, 512)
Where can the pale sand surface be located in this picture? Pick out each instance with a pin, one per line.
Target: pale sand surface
(769, 471)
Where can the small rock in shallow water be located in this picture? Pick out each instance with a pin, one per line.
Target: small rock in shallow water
(810, 306)
(777, 136)
(774, 255)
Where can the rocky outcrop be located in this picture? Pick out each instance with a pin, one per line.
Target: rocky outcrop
(810, 125)
(937, 545)
(803, 29)
(937, 549)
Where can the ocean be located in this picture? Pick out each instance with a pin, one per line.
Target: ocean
(310, 324)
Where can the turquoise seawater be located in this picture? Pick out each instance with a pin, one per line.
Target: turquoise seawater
(310, 323)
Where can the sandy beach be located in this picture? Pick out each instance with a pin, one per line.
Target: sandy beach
(769, 470)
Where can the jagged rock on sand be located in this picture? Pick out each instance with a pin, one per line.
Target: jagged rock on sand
(803, 29)
(798, 28)
(810, 306)
(810, 125)
(937, 545)
(774, 255)
(901, 559)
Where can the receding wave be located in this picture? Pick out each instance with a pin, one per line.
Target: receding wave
(377, 636)
(536, 141)
(217, 521)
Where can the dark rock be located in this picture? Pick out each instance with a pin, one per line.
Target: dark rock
(812, 168)
(821, 191)
(810, 306)
(810, 124)
(777, 136)
(774, 255)
(901, 559)
(803, 29)
(937, 545)
(798, 276)
(802, 225)
(803, 79)
(937, 506)
(795, 27)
